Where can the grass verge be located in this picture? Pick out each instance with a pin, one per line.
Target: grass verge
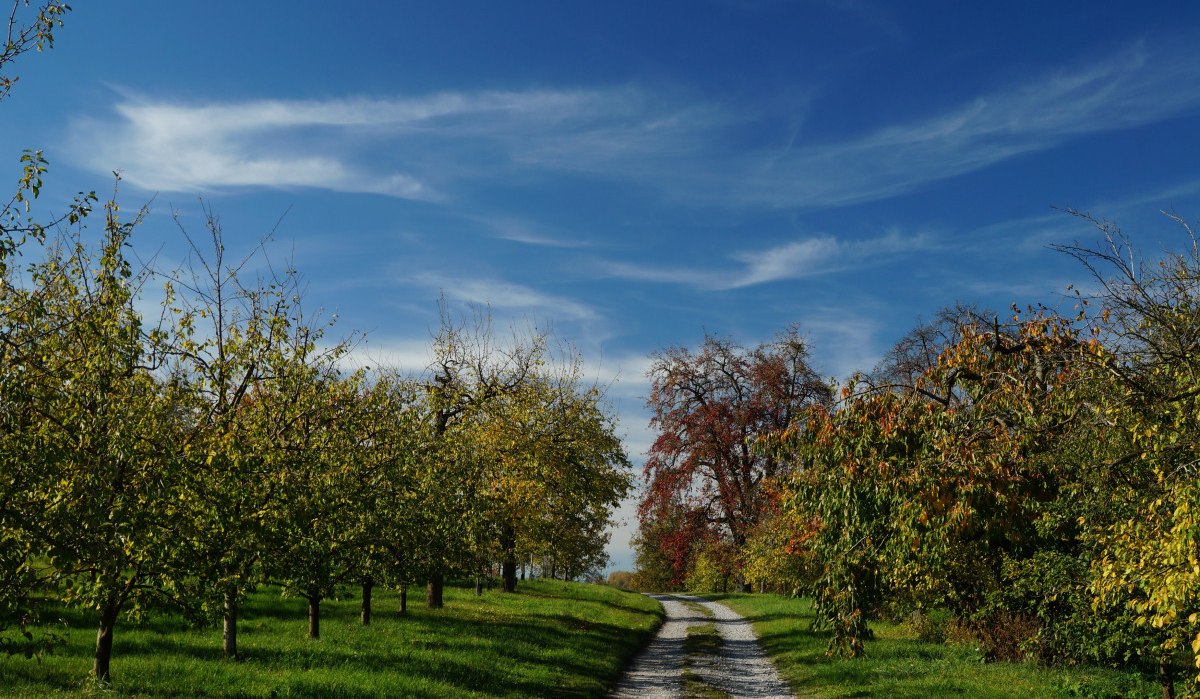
(550, 639)
(898, 665)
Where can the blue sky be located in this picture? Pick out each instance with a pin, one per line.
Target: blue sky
(634, 174)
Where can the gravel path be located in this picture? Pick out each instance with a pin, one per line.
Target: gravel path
(742, 669)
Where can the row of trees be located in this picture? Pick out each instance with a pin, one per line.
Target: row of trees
(220, 442)
(223, 445)
(1036, 476)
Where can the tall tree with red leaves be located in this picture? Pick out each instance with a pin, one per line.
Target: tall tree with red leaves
(709, 407)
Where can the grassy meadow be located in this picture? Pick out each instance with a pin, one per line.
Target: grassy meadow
(551, 639)
(898, 665)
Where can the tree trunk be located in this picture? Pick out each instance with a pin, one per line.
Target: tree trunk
(508, 544)
(314, 617)
(368, 585)
(1166, 678)
(858, 631)
(433, 591)
(104, 643)
(478, 586)
(744, 586)
(403, 599)
(229, 621)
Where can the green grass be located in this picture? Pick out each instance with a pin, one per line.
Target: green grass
(702, 640)
(898, 665)
(549, 639)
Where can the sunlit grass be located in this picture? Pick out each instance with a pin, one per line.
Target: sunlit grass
(901, 666)
(549, 639)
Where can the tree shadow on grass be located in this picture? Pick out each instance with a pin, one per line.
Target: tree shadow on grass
(555, 653)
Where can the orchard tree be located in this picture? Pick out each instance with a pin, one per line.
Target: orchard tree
(921, 495)
(552, 468)
(1147, 368)
(394, 448)
(98, 432)
(314, 533)
(389, 445)
(26, 322)
(709, 408)
(239, 349)
(667, 544)
(840, 494)
(472, 369)
(561, 507)
(20, 312)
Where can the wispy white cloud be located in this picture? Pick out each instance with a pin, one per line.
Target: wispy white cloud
(425, 147)
(178, 148)
(799, 259)
(1133, 88)
(504, 295)
(528, 233)
(652, 273)
(405, 147)
(824, 254)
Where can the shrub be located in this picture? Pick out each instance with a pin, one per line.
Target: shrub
(1005, 635)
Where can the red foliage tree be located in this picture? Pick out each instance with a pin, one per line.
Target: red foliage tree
(709, 407)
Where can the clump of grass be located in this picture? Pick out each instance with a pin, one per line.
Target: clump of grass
(694, 687)
(697, 608)
(702, 639)
(549, 639)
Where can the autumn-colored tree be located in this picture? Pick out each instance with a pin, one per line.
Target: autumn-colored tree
(709, 408)
(776, 552)
(666, 544)
(1145, 398)
(391, 462)
(21, 316)
(840, 494)
(919, 494)
(555, 470)
(394, 450)
(471, 370)
(714, 564)
(620, 578)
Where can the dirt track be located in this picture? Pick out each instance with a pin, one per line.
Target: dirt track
(741, 669)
